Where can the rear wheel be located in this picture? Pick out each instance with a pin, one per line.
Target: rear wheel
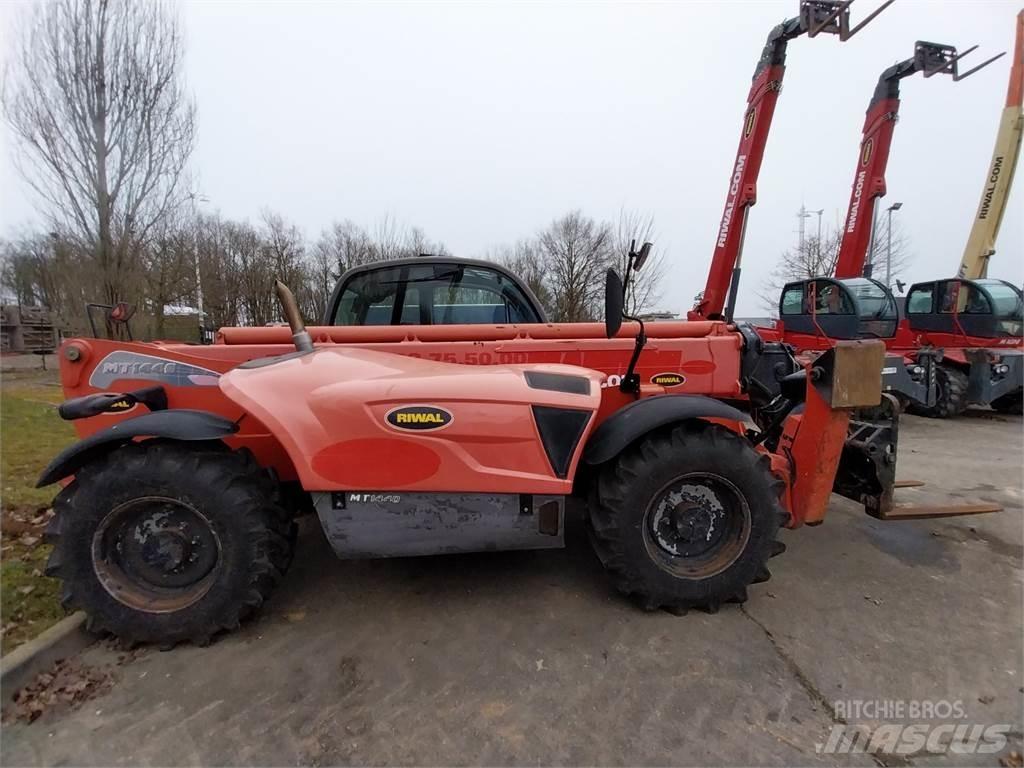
(687, 518)
(950, 397)
(166, 542)
(1012, 403)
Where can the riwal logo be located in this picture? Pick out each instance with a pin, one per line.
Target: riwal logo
(858, 188)
(866, 150)
(990, 190)
(668, 379)
(858, 185)
(419, 418)
(730, 205)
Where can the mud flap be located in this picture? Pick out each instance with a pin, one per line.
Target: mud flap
(867, 471)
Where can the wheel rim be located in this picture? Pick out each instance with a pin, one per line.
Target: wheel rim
(697, 525)
(156, 554)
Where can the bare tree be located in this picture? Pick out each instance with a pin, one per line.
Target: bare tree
(418, 244)
(818, 257)
(901, 255)
(220, 283)
(95, 98)
(389, 238)
(525, 261)
(576, 251)
(815, 258)
(27, 272)
(344, 245)
(168, 268)
(644, 290)
(44, 269)
(393, 240)
(252, 266)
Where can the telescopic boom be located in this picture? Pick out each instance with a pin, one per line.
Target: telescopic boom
(879, 123)
(816, 17)
(981, 243)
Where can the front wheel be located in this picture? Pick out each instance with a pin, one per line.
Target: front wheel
(167, 542)
(687, 519)
(950, 397)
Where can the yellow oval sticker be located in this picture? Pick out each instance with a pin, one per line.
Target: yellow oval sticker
(668, 379)
(419, 418)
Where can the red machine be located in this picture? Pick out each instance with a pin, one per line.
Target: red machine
(936, 363)
(692, 442)
(879, 124)
(816, 16)
(175, 520)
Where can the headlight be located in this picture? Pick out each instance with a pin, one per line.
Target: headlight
(1002, 369)
(917, 371)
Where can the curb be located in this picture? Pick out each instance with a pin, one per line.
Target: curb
(65, 638)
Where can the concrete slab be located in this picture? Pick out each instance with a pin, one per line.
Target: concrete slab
(529, 658)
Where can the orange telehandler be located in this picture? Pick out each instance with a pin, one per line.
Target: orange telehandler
(691, 443)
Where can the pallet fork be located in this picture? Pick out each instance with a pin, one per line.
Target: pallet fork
(867, 472)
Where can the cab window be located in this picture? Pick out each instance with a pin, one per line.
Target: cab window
(1007, 299)
(873, 301)
(433, 294)
(831, 299)
(793, 300)
(458, 304)
(963, 298)
(919, 301)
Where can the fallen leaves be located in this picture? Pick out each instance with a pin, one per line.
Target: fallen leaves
(64, 686)
(26, 524)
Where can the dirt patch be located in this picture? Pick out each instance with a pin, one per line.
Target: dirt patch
(63, 687)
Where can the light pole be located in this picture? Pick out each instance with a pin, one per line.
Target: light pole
(888, 250)
(196, 198)
(818, 254)
(802, 214)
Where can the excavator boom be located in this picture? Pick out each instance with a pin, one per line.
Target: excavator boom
(981, 243)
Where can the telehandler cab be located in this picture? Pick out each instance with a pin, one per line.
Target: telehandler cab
(958, 341)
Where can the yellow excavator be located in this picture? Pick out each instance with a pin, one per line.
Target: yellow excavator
(994, 195)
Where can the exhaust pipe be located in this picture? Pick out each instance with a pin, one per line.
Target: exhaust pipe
(290, 307)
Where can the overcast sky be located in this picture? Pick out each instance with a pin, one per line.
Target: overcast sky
(481, 123)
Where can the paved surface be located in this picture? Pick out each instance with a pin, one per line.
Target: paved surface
(525, 658)
(27, 362)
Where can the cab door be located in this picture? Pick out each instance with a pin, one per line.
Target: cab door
(820, 306)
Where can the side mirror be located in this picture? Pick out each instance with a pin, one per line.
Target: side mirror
(641, 257)
(612, 303)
